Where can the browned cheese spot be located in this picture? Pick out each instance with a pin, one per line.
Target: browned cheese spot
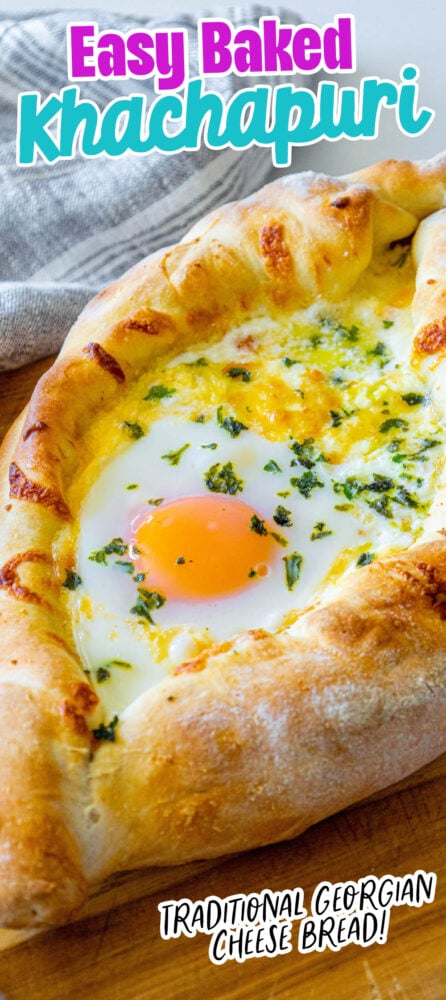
(25, 489)
(432, 338)
(10, 576)
(246, 343)
(40, 425)
(104, 360)
(274, 249)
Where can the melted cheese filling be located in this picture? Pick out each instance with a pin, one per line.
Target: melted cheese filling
(333, 437)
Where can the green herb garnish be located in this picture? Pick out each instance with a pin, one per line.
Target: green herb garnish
(102, 674)
(283, 517)
(289, 362)
(272, 466)
(365, 558)
(106, 732)
(156, 503)
(198, 363)
(159, 392)
(306, 453)
(242, 373)
(382, 505)
(388, 425)
(258, 526)
(320, 530)
(72, 580)
(211, 446)
(222, 479)
(116, 547)
(414, 398)
(128, 567)
(230, 424)
(133, 430)
(336, 419)
(406, 499)
(279, 539)
(292, 569)
(173, 457)
(306, 483)
(148, 601)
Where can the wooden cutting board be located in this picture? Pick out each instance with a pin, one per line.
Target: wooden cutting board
(116, 953)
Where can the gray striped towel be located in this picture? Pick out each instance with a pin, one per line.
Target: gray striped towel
(68, 229)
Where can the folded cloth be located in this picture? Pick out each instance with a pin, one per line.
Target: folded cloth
(68, 229)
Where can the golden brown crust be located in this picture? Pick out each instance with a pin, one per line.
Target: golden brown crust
(239, 748)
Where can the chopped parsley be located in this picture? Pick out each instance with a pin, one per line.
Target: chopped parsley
(173, 457)
(307, 453)
(387, 323)
(378, 350)
(180, 561)
(211, 446)
(156, 502)
(159, 392)
(292, 569)
(252, 573)
(427, 444)
(320, 530)
(399, 422)
(258, 526)
(414, 398)
(272, 466)
(148, 601)
(230, 424)
(289, 362)
(279, 538)
(242, 373)
(348, 333)
(102, 674)
(117, 547)
(132, 486)
(283, 517)
(72, 580)
(365, 558)
(406, 499)
(222, 479)
(106, 732)
(306, 483)
(198, 363)
(382, 505)
(380, 484)
(133, 430)
(336, 419)
(128, 567)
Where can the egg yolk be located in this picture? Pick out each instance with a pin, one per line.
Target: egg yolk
(195, 548)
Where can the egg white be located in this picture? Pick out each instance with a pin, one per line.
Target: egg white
(106, 630)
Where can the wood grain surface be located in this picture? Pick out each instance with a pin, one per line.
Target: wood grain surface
(116, 953)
